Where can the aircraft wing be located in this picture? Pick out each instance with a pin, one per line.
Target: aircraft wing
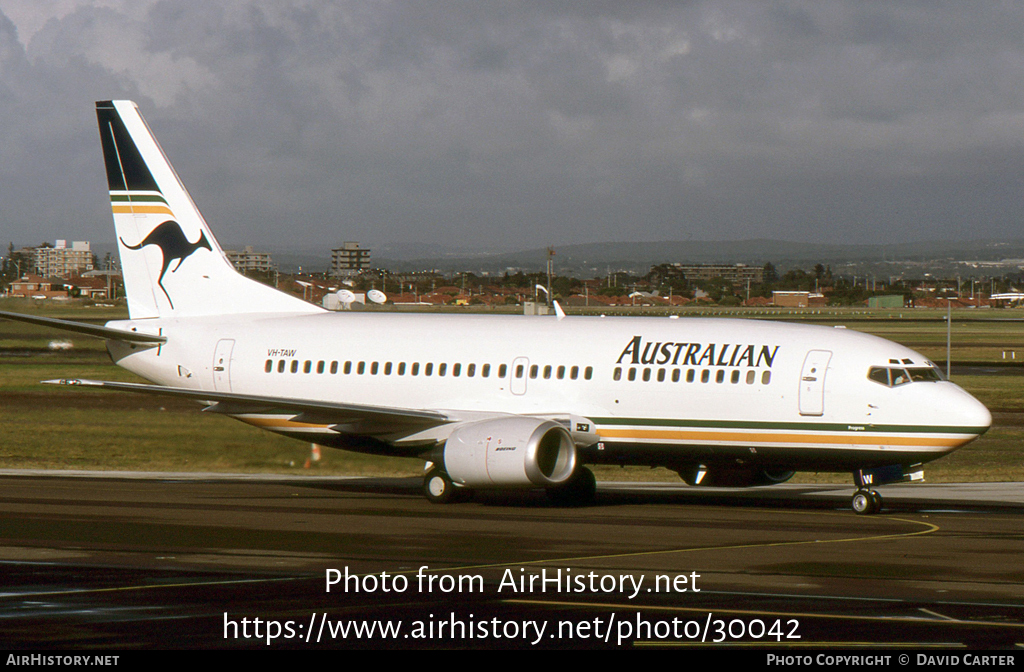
(343, 418)
(86, 328)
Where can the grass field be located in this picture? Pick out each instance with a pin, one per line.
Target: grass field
(47, 427)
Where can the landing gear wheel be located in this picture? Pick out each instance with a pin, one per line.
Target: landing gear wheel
(438, 487)
(580, 490)
(866, 502)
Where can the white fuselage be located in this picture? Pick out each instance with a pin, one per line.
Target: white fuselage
(657, 390)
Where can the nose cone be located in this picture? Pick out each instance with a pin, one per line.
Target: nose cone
(963, 411)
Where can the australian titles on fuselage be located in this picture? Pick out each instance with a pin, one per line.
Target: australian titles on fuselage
(639, 352)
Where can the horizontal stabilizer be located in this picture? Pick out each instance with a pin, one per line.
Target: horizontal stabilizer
(87, 329)
(323, 411)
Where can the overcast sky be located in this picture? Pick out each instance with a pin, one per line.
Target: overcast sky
(523, 124)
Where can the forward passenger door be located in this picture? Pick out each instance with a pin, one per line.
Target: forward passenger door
(812, 382)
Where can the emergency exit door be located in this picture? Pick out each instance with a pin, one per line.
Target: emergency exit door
(518, 374)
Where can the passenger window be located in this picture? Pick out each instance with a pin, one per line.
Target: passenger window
(485, 371)
(690, 375)
(519, 370)
(560, 373)
(632, 374)
(280, 366)
(471, 370)
(533, 371)
(334, 367)
(720, 376)
(705, 376)
(647, 374)
(361, 368)
(295, 366)
(269, 366)
(735, 377)
(750, 377)
(441, 368)
(387, 369)
(661, 375)
(766, 377)
(401, 368)
(675, 375)
(373, 368)
(617, 373)
(348, 368)
(574, 372)
(588, 372)
(320, 366)
(547, 372)
(456, 369)
(428, 369)
(416, 368)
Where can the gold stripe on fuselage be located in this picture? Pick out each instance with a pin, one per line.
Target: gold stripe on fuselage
(788, 439)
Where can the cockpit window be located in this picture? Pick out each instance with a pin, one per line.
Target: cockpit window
(879, 375)
(893, 376)
(924, 374)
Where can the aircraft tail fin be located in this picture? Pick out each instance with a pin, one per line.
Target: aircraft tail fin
(171, 261)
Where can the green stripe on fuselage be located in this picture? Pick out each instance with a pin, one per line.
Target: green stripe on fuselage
(852, 428)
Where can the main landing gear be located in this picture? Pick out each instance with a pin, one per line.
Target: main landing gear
(866, 502)
(439, 489)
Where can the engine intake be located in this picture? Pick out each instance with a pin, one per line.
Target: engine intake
(516, 452)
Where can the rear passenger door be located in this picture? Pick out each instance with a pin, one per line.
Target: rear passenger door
(222, 365)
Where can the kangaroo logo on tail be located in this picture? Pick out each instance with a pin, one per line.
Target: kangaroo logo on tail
(173, 245)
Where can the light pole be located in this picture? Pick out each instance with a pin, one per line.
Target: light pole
(949, 332)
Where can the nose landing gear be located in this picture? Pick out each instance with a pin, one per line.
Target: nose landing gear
(866, 502)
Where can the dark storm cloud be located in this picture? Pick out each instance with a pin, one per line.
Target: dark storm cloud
(525, 123)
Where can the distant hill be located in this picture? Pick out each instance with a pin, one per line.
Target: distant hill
(641, 256)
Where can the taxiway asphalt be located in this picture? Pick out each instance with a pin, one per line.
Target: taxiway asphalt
(190, 560)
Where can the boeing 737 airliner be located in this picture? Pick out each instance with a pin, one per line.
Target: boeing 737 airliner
(506, 401)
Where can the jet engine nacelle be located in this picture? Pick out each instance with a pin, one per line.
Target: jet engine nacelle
(514, 452)
(732, 477)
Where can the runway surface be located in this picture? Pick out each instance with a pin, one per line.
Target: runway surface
(192, 561)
